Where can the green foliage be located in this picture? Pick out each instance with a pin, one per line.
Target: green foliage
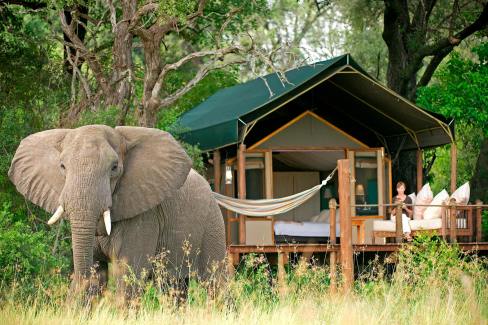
(25, 254)
(460, 92)
(254, 283)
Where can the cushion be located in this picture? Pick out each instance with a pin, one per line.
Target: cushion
(413, 197)
(433, 212)
(461, 195)
(384, 225)
(324, 216)
(424, 197)
(426, 224)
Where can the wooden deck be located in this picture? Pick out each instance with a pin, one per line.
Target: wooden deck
(327, 248)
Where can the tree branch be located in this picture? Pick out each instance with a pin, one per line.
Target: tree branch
(451, 41)
(202, 72)
(219, 53)
(91, 58)
(26, 4)
(432, 66)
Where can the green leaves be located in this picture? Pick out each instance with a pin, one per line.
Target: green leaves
(461, 91)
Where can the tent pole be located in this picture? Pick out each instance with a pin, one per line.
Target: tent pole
(268, 173)
(333, 254)
(344, 174)
(241, 183)
(420, 175)
(217, 170)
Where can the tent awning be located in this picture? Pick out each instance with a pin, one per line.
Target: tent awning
(348, 93)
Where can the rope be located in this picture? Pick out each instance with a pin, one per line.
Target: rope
(269, 207)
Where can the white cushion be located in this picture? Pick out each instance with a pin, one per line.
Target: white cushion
(324, 216)
(433, 212)
(424, 197)
(461, 195)
(426, 224)
(413, 197)
(384, 225)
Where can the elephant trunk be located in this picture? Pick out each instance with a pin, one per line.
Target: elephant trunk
(83, 240)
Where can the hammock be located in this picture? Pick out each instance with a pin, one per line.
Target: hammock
(269, 207)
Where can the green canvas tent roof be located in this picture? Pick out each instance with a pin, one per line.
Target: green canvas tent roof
(219, 120)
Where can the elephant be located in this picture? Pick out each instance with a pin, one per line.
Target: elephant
(129, 193)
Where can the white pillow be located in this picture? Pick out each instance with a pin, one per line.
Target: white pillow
(461, 195)
(434, 212)
(324, 216)
(413, 197)
(424, 197)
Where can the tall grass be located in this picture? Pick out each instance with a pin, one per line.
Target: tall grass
(433, 283)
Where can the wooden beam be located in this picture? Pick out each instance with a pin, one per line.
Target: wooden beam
(346, 223)
(453, 167)
(420, 176)
(452, 220)
(333, 239)
(399, 221)
(229, 191)
(217, 170)
(268, 174)
(380, 171)
(281, 273)
(241, 188)
(478, 221)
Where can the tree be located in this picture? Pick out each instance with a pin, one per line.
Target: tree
(461, 92)
(200, 35)
(416, 30)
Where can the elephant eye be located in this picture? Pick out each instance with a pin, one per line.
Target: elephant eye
(62, 166)
(114, 167)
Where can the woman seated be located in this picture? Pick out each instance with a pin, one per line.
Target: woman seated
(407, 211)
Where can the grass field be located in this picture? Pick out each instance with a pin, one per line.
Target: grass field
(432, 284)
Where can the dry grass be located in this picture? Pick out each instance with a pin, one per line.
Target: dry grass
(433, 284)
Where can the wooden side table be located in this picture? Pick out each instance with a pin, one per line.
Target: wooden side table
(358, 222)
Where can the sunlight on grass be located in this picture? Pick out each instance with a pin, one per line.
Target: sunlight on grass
(433, 284)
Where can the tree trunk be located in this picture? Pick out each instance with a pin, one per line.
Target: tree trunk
(479, 182)
(147, 110)
(122, 76)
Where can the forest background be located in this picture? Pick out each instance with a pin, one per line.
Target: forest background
(72, 63)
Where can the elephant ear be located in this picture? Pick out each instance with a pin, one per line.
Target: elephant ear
(155, 166)
(35, 168)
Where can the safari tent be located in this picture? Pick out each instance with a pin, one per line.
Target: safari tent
(272, 136)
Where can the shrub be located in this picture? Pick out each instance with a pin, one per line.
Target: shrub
(26, 256)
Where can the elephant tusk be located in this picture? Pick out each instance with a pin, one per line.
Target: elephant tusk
(56, 216)
(107, 221)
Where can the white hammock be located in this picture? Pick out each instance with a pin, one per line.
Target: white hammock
(269, 207)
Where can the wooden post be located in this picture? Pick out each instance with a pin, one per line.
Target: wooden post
(230, 263)
(380, 172)
(241, 186)
(453, 167)
(281, 273)
(398, 221)
(268, 174)
(443, 220)
(452, 220)
(478, 220)
(333, 255)
(217, 170)
(420, 176)
(346, 225)
(229, 191)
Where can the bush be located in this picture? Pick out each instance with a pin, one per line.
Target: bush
(26, 256)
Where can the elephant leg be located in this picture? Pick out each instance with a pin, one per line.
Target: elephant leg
(100, 268)
(213, 246)
(133, 243)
